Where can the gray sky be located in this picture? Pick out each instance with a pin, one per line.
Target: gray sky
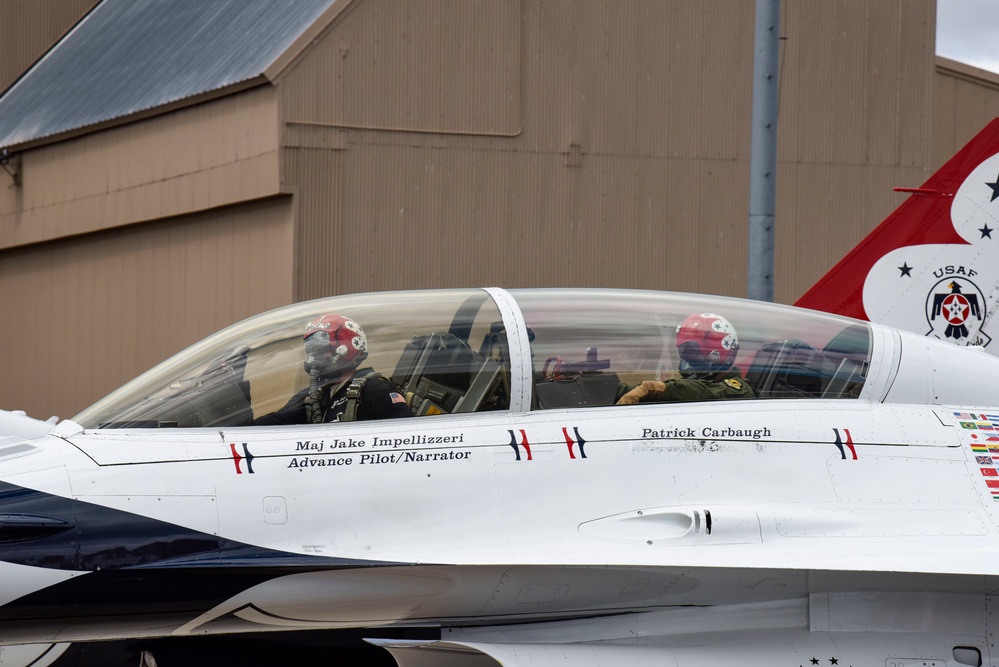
(968, 31)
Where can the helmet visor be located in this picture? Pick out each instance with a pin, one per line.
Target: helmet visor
(317, 343)
(693, 359)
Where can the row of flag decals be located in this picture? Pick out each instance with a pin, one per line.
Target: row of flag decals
(982, 430)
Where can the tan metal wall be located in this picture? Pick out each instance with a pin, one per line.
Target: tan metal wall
(966, 99)
(84, 316)
(29, 27)
(214, 154)
(597, 143)
(856, 119)
(143, 237)
(448, 66)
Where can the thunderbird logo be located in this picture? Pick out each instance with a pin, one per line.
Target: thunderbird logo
(955, 309)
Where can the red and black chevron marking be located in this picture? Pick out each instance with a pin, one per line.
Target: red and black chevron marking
(523, 443)
(238, 458)
(849, 443)
(570, 442)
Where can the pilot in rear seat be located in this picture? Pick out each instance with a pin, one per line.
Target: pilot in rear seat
(338, 390)
(707, 345)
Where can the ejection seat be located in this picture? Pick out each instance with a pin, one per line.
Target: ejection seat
(791, 368)
(439, 373)
(572, 384)
(850, 350)
(787, 368)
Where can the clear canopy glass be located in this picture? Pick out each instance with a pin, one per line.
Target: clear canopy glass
(588, 346)
(448, 351)
(254, 367)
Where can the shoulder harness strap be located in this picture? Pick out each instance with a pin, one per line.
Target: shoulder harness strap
(354, 395)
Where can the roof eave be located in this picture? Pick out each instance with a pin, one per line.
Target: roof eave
(967, 72)
(259, 80)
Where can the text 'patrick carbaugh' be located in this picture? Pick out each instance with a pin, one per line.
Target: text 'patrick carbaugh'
(706, 432)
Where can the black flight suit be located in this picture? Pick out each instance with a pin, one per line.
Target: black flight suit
(380, 399)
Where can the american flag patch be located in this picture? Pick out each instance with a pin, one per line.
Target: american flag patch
(397, 397)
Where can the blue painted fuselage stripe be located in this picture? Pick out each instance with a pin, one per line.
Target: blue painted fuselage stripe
(134, 565)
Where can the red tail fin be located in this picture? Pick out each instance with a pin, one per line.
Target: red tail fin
(931, 266)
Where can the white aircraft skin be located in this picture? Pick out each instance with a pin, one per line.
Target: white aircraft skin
(17, 424)
(856, 526)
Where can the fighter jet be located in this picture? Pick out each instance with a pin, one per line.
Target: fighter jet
(544, 476)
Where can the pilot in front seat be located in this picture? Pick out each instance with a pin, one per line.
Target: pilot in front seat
(338, 390)
(707, 345)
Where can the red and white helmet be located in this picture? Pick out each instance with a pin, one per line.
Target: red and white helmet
(707, 343)
(333, 343)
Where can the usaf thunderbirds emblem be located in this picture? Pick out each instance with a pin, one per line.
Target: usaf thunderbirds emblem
(955, 309)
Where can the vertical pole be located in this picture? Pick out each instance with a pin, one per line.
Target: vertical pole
(763, 152)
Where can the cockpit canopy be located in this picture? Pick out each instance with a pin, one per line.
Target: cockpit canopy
(478, 350)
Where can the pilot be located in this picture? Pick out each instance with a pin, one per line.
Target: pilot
(707, 345)
(338, 389)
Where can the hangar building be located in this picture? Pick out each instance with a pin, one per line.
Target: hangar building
(172, 168)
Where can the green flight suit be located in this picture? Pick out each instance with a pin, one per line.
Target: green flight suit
(724, 385)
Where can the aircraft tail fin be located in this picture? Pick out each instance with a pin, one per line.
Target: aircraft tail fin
(931, 267)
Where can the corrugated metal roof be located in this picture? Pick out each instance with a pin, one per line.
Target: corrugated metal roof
(128, 56)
